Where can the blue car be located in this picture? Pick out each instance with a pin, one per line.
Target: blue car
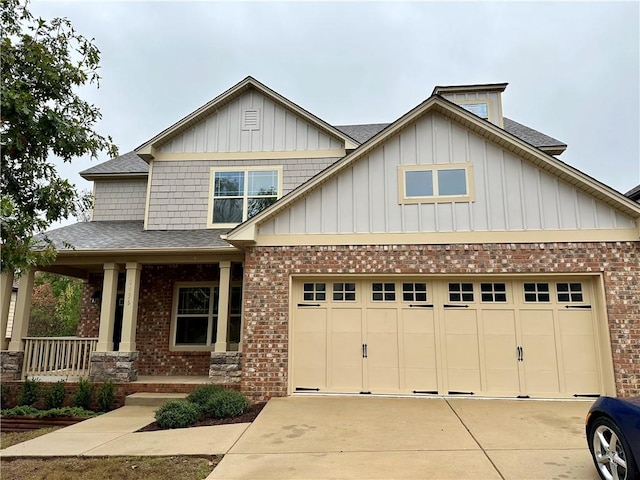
(613, 434)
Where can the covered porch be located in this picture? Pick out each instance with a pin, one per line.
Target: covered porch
(145, 314)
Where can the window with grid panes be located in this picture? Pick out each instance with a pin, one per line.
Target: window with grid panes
(536, 292)
(344, 292)
(461, 292)
(493, 292)
(383, 292)
(414, 292)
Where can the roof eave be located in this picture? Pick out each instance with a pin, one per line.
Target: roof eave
(118, 176)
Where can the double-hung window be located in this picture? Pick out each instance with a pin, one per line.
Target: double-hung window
(238, 194)
(196, 316)
(436, 183)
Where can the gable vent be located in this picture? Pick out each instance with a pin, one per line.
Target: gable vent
(251, 119)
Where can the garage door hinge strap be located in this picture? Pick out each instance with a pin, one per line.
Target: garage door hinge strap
(308, 304)
(421, 306)
(586, 395)
(578, 306)
(307, 389)
(448, 305)
(460, 393)
(426, 392)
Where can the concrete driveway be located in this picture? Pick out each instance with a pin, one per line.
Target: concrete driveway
(412, 438)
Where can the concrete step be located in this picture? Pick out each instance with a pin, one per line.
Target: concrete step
(145, 399)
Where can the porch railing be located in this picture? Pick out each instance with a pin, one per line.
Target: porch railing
(58, 356)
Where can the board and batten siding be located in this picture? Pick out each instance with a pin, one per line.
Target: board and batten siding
(280, 130)
(119, 199)
(510, 193)
(179, 194)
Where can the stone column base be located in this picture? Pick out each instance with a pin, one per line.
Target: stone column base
(225, 367)
(11, 365)
(120, 367)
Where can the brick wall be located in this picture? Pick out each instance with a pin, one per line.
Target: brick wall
(266, 294)
(89, 321)
(154, 320)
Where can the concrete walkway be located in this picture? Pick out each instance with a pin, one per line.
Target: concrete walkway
(408, 438)
(112, 434)
(355, 438)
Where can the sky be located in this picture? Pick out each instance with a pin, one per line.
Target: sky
(573, 68)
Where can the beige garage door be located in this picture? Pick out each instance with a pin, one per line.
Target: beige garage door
(454, 336)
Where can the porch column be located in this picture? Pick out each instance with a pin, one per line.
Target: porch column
(108, 308)
(130, 317)
(223, 306)
(22, 312)
(6, 287)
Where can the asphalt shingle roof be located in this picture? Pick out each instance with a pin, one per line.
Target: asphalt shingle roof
(634, 193)
(129, 163)
(362, 133)
(126, 235)
(531, 136)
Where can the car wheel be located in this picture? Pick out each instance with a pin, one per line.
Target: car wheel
(610, 452)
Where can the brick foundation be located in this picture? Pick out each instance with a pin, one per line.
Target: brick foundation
(114, 366)
(225, 368)
(11, 365)
(268, 269)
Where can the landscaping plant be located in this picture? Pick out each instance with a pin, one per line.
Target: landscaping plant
(226, 403)
(177, 414)
(54, 395)
(106, 396)
(30, 392)
(82, 395)
(203, 393)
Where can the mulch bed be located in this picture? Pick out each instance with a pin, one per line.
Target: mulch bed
(247, 417)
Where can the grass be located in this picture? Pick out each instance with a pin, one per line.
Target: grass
(110, 468)
(104, 468)
(8, 439)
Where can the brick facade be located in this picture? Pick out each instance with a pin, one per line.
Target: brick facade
(266, 292)
(154, 320)
(89, 321)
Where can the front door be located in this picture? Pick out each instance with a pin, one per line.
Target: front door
(117, 326)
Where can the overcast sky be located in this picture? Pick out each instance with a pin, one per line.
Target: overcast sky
(573, 68)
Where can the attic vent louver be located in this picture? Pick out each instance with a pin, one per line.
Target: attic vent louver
(251, 119)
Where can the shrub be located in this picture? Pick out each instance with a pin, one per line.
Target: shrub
(54, 396)
(202, 393)
(227, 403)
(20, 411)
(82, 395)
(177, 414)
(106, 396)
(30, 392)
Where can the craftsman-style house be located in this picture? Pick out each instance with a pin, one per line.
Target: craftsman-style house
(448, 252)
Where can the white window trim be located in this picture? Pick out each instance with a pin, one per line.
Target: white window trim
(435, 198)
(174, 319)
(238, 168)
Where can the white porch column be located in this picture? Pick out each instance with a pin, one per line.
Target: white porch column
(108, 308)
(223, 306)
(6, 287)
(130, 317)
(23, 311)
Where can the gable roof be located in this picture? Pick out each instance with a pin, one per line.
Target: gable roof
(247, 230)
(146, 150)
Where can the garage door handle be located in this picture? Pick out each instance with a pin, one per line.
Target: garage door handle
(455, 306)
(308, 304)
(421, 306)
(577, 306)
(364, 350)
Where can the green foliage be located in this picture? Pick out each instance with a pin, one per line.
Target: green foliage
(27, 411)
(43, 65)
(106, 396)
(20, 411)
(55, 308)
(202, 393)
(30, 392)
(227, 403)
(82, 395)
(54, 395)
(177, 414)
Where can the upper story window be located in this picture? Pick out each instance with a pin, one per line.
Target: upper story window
(480, 109)
(238, 194)
(435, 183)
